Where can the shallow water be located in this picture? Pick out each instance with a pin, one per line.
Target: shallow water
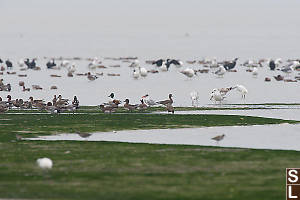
(287, 114)
(283, 136)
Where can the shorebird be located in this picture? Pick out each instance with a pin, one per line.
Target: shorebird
(218, 138)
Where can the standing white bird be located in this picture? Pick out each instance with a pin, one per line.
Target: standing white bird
(188, 72)
(194, 98)
(242, 89)
(44, 163)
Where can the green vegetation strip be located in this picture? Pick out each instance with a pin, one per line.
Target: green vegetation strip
(105, 170)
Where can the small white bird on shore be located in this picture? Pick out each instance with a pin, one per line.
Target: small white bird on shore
(44, 163)
(194, 98)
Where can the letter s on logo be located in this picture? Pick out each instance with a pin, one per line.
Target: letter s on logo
(293, 176)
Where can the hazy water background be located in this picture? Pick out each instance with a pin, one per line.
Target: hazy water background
(152, 29)
(157, 28)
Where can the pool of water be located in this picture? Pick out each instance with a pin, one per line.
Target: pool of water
(280, 137)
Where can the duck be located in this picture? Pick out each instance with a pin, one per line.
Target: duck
(36, 87)
(278, 78)
(128, 106)
(25, 89)
(54, 100)
(91, 77)
(142, 106)
(75, 102)
(8, 63)
(231, 64)
(170, 108)
(166, 102)
(107, 109)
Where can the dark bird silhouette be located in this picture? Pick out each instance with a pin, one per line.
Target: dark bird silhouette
(8, 64)
(50, 64)
(158, 63)
(272, 65)
(230, 65)
(174, 62)
(30, 65)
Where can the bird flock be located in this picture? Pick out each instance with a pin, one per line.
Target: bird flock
(280, 70)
